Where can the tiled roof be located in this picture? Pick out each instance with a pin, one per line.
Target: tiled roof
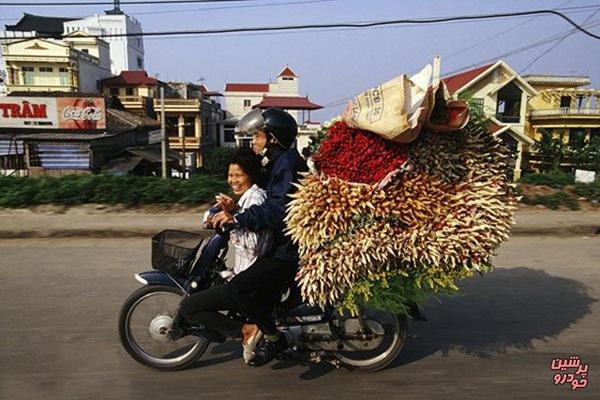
(129, 78)
(40, 24)
(119, 120)
(456, 82)
(288, 103)
(247, 87)
(287, 71)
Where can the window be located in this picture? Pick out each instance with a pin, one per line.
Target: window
(129, 91)
(580, 100)
(63, 75)
(287, 78)
(172, 129)
(246, 103)
(86, 51)
(477, 105)
(46, 69)
(27, 75)
(595, 136)
(189, 129)
(565, 101)
(114, 91)
(229, 131)
(140, 63)
(576, 138)
(508, 108)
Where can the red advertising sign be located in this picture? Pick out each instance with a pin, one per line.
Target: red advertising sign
(77, 113)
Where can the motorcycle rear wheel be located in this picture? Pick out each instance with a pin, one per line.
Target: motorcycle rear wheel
(394, 329)
(145, 318)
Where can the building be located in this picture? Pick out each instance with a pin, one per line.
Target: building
(74, 63)
(56, 134)
(35, 25)
(241, 98)
(564, 106)
(126, 53)
(135, 89)
(502, 95)
(193, 116)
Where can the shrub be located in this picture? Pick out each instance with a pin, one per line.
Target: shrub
(556, 180)
(107, 189)
(216, 160)
(590, 191)
(553, 201)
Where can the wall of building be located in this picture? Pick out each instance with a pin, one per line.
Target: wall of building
(234, 102)
(124, 51)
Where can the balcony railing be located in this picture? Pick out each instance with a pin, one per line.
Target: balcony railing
(132, 101)
(565, 112)
(178, 104)
(190, 142)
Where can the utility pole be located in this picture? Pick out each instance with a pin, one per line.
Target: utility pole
(163, 149)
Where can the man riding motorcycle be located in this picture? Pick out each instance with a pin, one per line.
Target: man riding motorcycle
(256, 291)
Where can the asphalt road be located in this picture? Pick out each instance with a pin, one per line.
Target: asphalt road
(60, 299)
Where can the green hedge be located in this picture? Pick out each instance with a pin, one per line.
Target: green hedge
(590, 191)
(553, 201)
(131, 190)
(556, 180)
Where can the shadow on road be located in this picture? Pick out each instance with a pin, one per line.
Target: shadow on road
(504, 310)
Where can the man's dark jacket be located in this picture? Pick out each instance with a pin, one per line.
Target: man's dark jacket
(283, 170)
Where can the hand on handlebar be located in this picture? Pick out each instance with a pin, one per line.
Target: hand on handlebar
(221, 219)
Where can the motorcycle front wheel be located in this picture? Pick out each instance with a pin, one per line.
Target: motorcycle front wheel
(373, 355)
(144, 321)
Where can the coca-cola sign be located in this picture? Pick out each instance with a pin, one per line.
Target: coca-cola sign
(78, 113)
(82, 114)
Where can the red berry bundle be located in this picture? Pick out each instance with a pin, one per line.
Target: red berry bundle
(359, 156)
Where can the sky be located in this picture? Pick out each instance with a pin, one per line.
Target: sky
(335, 65)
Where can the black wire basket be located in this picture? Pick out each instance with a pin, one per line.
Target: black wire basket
(174, 252)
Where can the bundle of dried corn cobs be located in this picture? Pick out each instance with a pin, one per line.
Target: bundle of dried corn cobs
(436, 222)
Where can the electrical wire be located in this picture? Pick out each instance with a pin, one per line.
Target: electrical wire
(346, 25)
(110, 3)
(559, 36)
(556, 44)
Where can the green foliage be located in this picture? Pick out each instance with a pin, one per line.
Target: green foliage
(556, 180)
(394, 291)
(590, 191)
(554, 201)
(107, 189)
(217, 159)
(551, 149)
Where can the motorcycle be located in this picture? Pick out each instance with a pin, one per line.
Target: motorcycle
(185, 263)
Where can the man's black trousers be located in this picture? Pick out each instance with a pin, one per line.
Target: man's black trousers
(254, 293)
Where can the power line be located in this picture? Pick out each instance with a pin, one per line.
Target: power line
(515, 51)
(522, 49)
(568, 10)
(188, 10)
(347, 25)
(110, 3)
(487, 39)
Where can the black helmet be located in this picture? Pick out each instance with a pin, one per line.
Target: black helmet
(279, 124)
